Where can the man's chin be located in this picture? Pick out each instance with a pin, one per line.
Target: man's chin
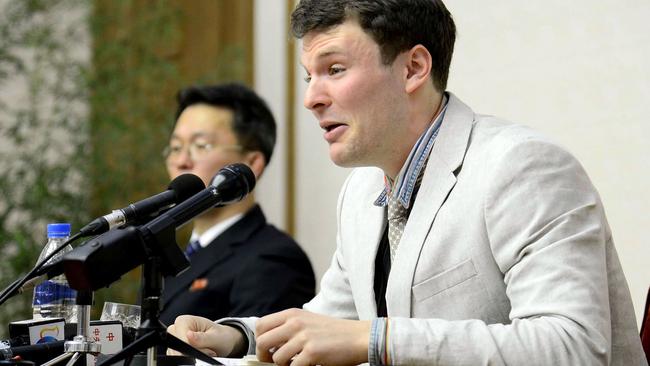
(343, 159)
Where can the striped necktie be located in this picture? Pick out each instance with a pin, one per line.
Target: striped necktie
(397, 216)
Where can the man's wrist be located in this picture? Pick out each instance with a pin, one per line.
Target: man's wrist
(243, 325)
(240, 346)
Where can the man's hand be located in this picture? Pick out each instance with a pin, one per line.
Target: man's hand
(208, 337)
(298, 337)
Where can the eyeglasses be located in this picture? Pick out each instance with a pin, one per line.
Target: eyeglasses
(197, 150)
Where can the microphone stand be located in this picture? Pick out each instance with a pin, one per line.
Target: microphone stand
(81, 344)
(152, 332)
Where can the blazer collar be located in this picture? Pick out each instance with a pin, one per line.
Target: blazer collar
(439, 179)
(217, 251)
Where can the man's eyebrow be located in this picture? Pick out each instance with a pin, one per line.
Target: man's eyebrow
(324, 54)
(328, 53)
(193, 135)
(201, 134)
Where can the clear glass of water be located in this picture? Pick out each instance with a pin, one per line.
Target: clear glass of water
(128, 314)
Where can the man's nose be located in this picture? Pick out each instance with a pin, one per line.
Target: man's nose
(316, 96)
(183, 160)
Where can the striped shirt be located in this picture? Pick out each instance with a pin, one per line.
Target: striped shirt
(415, 162)
(405, 184)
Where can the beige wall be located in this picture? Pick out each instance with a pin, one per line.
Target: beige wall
(576, 70)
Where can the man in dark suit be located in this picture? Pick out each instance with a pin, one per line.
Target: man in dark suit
(240, 265)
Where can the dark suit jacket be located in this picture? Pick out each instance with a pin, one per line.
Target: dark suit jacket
(251, 269)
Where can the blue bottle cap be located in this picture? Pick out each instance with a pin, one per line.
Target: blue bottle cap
(58, 230)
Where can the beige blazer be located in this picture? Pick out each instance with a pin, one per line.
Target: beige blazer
(506, 259)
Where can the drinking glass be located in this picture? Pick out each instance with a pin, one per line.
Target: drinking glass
(128, 314)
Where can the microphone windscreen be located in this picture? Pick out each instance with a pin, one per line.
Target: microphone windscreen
(186, 186)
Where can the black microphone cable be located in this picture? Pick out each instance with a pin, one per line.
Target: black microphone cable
(34, 352)
(182, 188)
(12, 289)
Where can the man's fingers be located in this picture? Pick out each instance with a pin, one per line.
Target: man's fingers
(199, 339)
(263, 354)
(196, 340)
(172, 352)
(289, 350)
(273, 331)
(299, 360)
(172, 330)
(271, 341)
(193, 331)
(266, 323)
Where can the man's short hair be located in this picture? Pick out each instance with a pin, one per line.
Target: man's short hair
(396, 26)
(253, 122)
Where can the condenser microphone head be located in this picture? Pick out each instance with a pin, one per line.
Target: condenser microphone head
(186, 185)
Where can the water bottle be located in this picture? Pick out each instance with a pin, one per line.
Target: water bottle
(54, 298)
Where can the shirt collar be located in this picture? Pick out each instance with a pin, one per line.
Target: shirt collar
(212, 233)
(404, 185)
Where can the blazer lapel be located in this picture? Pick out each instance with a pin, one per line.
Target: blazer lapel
(439, 179)
(372, 224)
(217, 251)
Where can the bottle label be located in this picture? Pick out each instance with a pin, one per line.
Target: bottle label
(50, 292)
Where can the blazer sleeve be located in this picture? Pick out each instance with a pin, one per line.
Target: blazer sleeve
(335, 296)
(548, 234)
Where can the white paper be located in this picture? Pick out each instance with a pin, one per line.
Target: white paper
(249, 360)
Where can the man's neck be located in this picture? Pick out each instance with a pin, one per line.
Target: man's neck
(219, 214)
(424, 112)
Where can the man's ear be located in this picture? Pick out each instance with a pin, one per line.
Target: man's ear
(256, 161)
(418, 68)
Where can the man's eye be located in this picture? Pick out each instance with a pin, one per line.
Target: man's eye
(335, 70)
(175, 149)
(307, 78)
(205, 146)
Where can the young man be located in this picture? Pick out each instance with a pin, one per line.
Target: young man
(475, 242)
(240, 264)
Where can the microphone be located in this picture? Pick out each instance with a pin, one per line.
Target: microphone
(231, 184)
(180, 189)
(102, 260)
